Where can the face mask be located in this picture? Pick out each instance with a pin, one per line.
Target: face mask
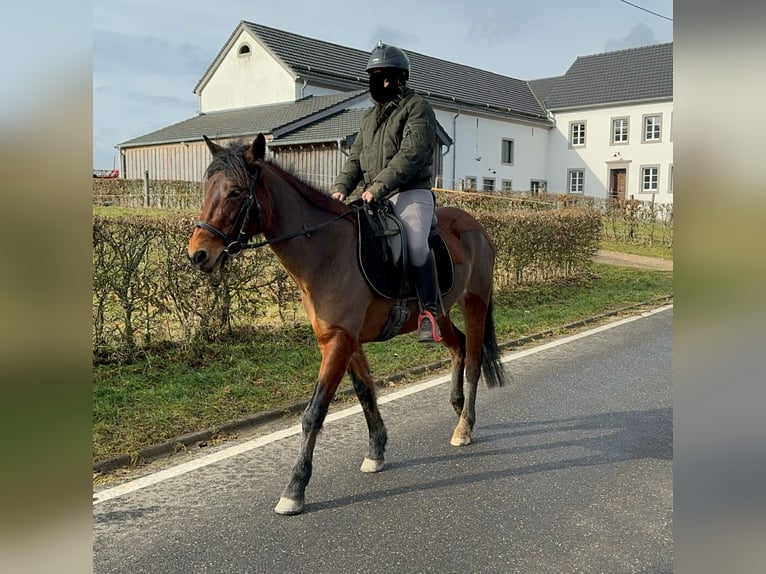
(380, 92)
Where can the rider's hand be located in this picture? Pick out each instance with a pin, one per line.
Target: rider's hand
(367, 196)
(339, 196)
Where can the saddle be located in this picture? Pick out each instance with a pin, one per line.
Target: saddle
(383, 260)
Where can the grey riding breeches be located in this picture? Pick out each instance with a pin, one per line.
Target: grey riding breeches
(415, 207)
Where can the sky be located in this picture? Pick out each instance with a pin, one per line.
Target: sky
(148, 55)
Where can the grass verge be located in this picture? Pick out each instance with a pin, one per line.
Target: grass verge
(171, 390)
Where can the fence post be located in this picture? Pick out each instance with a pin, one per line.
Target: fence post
(146, 188)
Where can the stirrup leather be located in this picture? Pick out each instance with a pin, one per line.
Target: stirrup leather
(428, 329)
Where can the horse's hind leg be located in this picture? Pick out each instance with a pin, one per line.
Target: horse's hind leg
(475, 311)
(359, 370)
(336, 350)
(454, 340)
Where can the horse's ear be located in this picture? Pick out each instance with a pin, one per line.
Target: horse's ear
(214, 148)
(258, 147)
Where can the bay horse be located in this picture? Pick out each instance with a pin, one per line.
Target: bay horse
(314, 238)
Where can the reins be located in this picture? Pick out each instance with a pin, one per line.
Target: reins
(243, 219)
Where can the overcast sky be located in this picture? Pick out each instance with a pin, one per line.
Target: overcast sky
(148, 55)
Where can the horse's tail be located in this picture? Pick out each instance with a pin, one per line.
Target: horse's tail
(491, 367)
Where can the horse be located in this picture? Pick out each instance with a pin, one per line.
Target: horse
(314, 237)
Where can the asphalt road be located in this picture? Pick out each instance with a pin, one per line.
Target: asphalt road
(570, 471)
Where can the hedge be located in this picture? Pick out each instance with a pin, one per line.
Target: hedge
(145, 291)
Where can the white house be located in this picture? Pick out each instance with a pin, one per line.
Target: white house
(613, 116)
(496, 132)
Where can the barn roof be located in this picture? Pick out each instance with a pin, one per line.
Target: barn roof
(271, 118)
(635, 74)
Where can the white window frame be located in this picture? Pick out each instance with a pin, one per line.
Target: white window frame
(506, 185)
(581, 135)
(470, 183)
(624, 130)
(511, 144)
(576, 181)
(484, 184)
(651, 131)
(655, 178)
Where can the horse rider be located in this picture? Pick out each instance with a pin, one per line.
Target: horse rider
(393, 154)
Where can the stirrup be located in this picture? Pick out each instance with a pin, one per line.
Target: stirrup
(428, 329)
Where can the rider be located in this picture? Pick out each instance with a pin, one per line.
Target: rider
(392, 154)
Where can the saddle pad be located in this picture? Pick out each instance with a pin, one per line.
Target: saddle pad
(383, 275)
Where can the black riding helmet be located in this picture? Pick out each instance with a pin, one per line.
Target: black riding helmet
(386, 56)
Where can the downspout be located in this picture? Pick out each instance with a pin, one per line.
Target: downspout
(454, 146)
(303, 87)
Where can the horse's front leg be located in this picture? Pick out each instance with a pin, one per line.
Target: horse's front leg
(359, 370)
(336, 350)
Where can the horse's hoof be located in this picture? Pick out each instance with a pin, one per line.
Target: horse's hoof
(288, 506)
(460, 441)
(370, 465)
(461, 436)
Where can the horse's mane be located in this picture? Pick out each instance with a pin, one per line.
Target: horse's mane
(231, 161)
(312, 195)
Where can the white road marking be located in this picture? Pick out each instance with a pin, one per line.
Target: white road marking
(162, 475)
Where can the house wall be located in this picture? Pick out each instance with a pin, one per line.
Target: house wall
(477, 145)
(598, 156)
(247, 80)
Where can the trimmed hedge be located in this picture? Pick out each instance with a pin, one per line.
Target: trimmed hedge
(146, 292)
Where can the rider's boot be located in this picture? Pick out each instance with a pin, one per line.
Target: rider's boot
(428, 295)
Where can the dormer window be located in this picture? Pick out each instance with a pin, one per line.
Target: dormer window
(244, 50)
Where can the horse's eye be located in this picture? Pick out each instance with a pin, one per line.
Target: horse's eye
(234, 194)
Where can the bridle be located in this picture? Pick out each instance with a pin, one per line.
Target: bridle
(250, 201)
(234, 246)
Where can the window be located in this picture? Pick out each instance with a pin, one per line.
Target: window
(469, 183)
(506, 185)
(244, 50)
(653, 128)
(506, 152)
(576, 179)
(620, 131)
(577, 134)
(650, 179)
(488, 184)
(537, 185)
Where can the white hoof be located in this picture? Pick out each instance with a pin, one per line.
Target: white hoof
(369, 465)
(460, 440)
(461, 436)
(288, 506)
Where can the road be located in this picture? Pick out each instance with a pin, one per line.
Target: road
(570, 471)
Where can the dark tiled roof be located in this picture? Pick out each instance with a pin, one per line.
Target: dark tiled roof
(543, 86)
(439, 80)
(339, 126)
(336, 127)
(612, 77)
(245, 121)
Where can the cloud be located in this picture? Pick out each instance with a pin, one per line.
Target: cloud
(639, 35)
(114, 51)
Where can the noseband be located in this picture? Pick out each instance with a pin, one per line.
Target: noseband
(234, 246)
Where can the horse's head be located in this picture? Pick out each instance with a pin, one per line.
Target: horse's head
(230, 210)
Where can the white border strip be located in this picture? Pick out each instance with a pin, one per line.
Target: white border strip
(162, 475)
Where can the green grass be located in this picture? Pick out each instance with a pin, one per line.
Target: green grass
(171, 390)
